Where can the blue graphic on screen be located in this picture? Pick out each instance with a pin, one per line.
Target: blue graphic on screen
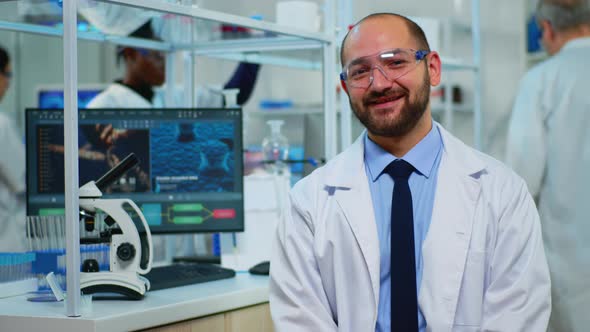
(200, 152)
(52, 99)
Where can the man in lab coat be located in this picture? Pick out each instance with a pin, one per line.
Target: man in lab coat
(356, 253)
(548, 145)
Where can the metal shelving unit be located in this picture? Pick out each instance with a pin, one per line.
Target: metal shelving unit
(477, 80)
(89, 36)
(472, 65)
(238, 50)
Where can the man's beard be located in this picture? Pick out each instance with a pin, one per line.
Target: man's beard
(408, 117)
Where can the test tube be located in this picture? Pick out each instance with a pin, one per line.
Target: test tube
(62, 232)
(28, 233)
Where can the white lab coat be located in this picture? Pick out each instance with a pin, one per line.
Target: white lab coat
(119, 96)
(484, 264)
(549, 146)
(12, 187)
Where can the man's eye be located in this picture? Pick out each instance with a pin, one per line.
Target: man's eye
(356, 72)
(394, 63)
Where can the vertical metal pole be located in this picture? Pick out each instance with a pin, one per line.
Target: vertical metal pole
(329, 70)
(169, 101)
(189, 78)
(170, 80)
(189, 101)
(189, 59)
(477, 84)
(448, 104)
(70, 50)
(344, 20)
(447, 78)
(18, 67)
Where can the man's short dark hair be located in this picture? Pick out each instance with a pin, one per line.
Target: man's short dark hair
(415, 30)
(4, 59)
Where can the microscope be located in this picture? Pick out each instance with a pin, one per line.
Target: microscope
(130, 243)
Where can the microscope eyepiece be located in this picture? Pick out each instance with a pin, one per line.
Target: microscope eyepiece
(116, 172)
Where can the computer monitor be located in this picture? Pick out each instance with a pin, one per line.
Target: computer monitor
(52, 97)
(189, 178)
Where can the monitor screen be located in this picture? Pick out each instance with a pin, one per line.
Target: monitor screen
(54, 98)
(189, 176)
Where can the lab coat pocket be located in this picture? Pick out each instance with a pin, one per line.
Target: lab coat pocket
(470, 305)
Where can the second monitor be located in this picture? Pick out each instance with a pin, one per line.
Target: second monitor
(189, 178)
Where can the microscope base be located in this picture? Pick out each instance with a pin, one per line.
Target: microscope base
(130, 285)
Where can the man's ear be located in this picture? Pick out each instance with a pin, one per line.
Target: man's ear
(548, 31)
(434, 67)
(550, 38)
(344, 87)
(547, 28)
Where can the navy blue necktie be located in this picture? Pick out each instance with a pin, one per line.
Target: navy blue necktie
(404, 297)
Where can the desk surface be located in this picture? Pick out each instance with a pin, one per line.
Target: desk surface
(157, 308)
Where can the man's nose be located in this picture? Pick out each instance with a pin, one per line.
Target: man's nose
(380, 80)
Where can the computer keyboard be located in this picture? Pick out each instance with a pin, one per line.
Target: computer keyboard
(176, 275)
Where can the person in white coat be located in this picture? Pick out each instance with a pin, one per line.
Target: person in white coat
(477, 261)
(12, 172)
(145, 70)
(548, 144)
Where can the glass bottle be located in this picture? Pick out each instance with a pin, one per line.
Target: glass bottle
(275, 148)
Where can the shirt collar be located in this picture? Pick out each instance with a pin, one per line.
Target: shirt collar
(146, 91)
(577, 42)
(422, 156)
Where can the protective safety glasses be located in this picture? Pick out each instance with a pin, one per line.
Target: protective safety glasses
(393, 64)
(152, 54)
(155, 55)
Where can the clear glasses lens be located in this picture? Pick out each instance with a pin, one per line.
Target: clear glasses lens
(392, 64)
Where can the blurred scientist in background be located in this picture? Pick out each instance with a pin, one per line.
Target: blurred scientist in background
(145, 70)
(549, 146)
(12, 172)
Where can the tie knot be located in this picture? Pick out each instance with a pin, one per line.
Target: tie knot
(399, 169)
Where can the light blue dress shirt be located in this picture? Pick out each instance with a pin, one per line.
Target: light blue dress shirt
(425, 157)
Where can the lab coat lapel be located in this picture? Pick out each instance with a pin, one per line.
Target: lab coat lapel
(446, 246)
(354, 198)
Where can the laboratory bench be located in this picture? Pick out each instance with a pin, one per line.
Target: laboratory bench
(228, 305)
